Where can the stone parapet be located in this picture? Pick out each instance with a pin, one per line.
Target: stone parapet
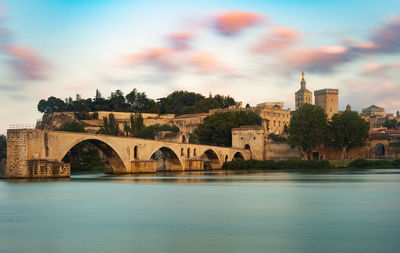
(326, 91)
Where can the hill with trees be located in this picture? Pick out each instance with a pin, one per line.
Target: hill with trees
(178, 102)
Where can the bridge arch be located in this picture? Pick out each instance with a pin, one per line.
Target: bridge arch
(238, 156)
(114, 163)
(166, 159)
(211, 160)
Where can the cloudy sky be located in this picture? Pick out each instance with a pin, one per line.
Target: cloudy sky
(254, 51)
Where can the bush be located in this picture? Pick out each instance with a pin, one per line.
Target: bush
(277, 138)
(73, 126)
(363, 163)
(277, 165)
(396, 163)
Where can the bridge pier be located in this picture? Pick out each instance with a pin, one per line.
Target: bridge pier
(193, 165)
(143, 166)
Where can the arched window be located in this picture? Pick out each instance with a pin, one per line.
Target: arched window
(135, 152)
(226, 158)
(188, 153)
(194, 152)
(183, 139)
(182, 152)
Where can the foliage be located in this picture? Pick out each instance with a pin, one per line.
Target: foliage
(347, 130)
(277, 138)
(391, 124)
(216, 129)
(151, 131)
(277, 165)
(308, 128)
(110, 126)
(363, 163)
(178, 102)
(84, 157)
(138, 102)
(3, 147)
(135, 125)
(73, 126)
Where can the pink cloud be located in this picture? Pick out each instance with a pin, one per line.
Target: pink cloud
(207, 62)
(387, 38)
(162, 57)
(26, 62)
(320, 59)
(180, 40)
(277, 39)
(233, 22)
(382, 70)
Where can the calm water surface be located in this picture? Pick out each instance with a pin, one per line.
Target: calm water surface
(204, 212)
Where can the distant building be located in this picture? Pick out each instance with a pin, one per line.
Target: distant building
(374, 110)
(272, 113)
(303, 96)
(328, 99)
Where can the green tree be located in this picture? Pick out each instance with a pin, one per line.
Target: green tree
(391, 123)
(216, 129)
(307, 129)
(179, 102)
(150, 132)
(3, 147)
(73, 126)
(110, 126)
(347, 130)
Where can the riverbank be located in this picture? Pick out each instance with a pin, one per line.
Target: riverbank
(311, 164)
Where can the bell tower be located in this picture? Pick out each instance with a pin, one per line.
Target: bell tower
(303, 96)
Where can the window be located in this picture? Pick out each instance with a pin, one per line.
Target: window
(135, 152)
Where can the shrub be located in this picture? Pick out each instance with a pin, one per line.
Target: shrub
(277, 165)
(363, 163)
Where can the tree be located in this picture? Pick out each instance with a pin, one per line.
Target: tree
(150, 132)
(391, 123)
(179, 102)
(138, 102)
(307, 129)
(110, 126)
(216, 129)
(347, 130)
(73, 126)
(3, 147)
(117, 101)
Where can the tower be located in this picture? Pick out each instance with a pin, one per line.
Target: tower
(328, 99)
(303, 96)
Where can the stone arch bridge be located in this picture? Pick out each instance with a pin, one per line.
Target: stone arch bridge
(40, 153)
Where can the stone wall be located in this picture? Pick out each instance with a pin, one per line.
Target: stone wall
(280, 151)
(251, 138)
(17, 165)
(38, 168)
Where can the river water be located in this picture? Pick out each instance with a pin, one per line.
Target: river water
(204, 212)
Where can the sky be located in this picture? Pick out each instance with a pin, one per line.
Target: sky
(253, 51)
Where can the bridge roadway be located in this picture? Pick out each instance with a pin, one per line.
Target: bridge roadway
(40, 153)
